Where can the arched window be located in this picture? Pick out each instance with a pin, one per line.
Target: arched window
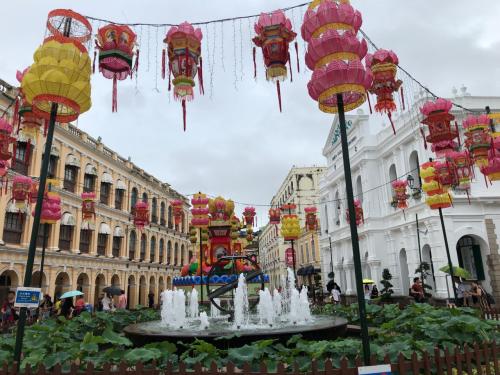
(162, 214)
(143, 248)
(162, 250)
(133, 198)
(169, 252)
(132, 244)
(392, 177)
(170, 223)
(469, 257)
(415, 169)
(359, 189)
(405, 275)
(154, 210)
(182, 255)
(145, 197)
(176, 254)
(152, 250)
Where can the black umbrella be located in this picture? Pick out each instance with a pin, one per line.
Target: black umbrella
(112, 290)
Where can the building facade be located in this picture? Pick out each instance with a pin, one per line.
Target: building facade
(388, 237)
(109, 250)
(301, 188)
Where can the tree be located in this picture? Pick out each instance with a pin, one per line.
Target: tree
(424, 270)
(387, 291)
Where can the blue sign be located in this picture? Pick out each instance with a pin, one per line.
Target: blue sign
(27, 297)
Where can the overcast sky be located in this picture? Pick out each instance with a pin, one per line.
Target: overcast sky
(237, 143)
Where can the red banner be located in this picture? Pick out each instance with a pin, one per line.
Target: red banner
(289, 257)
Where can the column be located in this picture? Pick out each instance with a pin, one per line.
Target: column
(75, 241)
(51, 280)
(91, 297)
(55, 230)
(93, 241)
(26, 236)
(123, 245)
(3, 210)
(349, 270)
(147, 256)
(81, 172)
(109, 244)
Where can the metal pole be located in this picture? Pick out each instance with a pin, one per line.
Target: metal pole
(34, 230)
(420, 254)
(44, 244)
(201, 268)
(354, 231)
(450, 265)
(293, 260)
(331, 256)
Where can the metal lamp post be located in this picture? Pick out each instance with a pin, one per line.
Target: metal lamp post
(411, 184)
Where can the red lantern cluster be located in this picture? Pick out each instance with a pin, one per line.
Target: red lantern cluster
(492, 170)
(311, 219)
(116, 45)
(177, 210)
(438, 118)
(21, 188)
(384, 66)
(141, 215)
(274, 216)
(478, 138)
(249, 215)
(274, 34)
(88, 206)
(184, 56)
(399, 187)
(359, 213)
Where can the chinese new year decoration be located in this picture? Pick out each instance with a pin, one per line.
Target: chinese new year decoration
(478, 138)
(492, 170)
(274, 216)
(6, 140)
(437, 192)
(184, 62)
(141, 215)
(21, 188)
(177, 210)
(88, 206)
(290, 227)
(249, 215)
(438, 119)
(61, 70)
(116, 45)
(51, 205)
(274, 34)
(334, 55)
(199, 211)
(401, 197)
(360, 218)
(462, 167)
(311, 219)
(384, 66)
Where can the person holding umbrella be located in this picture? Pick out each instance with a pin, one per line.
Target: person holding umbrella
(67, 305)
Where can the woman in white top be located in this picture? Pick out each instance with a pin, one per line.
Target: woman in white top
(107, 303)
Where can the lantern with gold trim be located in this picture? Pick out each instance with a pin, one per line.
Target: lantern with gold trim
(311, 219)
(141, 215)
(221, 210)
(88, 206)
(437, 194)
(438, 119)
(274, 216)
(21, 188)
(193, 238)
(399, 187)
(360, 218)
(478, 138)
(199, 211)
(51, 204)
(116, 45)
(177, 210)
(290, 227)
(461, 166)
(274, 34)
(492, 170)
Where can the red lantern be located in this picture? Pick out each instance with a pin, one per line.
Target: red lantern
(384, 66)
(249, 215)
(141, 215)
(335, 54)
(461, 165)
(274, 34)
(184, 56)
(289, 209)
(311, 220)
(116, 52)
(5, 141)
(478, 138)
(200, 211)
(434, 173)
(21, 187)
(438, 118)
(399, 187)
(359, 213)
(492, 170)
(274, 216)
(51, 208)
(177, 210)
(88, 206)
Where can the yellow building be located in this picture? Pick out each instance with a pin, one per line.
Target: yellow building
(107, 251)
(308, 257)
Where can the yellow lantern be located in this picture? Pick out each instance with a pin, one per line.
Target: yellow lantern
(290, 227)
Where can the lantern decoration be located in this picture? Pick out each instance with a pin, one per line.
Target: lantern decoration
(116, 45)
(235, 228)
(30, 124)
(5, 141)
(199, 211)
(478, 138)
(51, 204)
(177, 210)
(221, 210)
(21, 187)
(384, 66)
(438, 119)
(289, 208)
(184, 62)
(492, 170)
(311, 219)
(61, 70)
(274, 216)
(88, 206)
(290, 227)
(193, 238)
(399, 187)
(141, 215)
(437, 194)
(461, 166)
(274, 34)
(359, 213)
(249, 215)
(334, 54)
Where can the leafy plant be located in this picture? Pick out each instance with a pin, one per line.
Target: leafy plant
(386, 291)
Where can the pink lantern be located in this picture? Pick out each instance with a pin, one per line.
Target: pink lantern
(399, 187)
(492, 170)
(141, 215)
(249, 215)
(21, 188)
(438, 118)
(51, 208)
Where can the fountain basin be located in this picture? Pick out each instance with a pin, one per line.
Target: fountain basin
(321, 327)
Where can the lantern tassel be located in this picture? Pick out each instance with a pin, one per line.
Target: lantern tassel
(93, 62)
(169, 71)
(136, 67)
(369, 103)
(458, 134)
(254, 64)
(389, 114)
(423, 136)
(184, 112)
(297, 56)
(163, 64)
(114, 104)
(200, 77)
(279, 93)
(290, 67)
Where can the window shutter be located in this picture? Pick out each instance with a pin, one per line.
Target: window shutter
(478, 260)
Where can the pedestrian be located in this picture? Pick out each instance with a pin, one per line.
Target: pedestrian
(79, 306)
(374, 293)
(151, 300)
(478, 296)
(67, 307)
(368, 293)
(57, 306)
(46, 307)
(336, 293)
(107, 303)
(122, 300)
(9, 314)
(461, 292)
(417, 291)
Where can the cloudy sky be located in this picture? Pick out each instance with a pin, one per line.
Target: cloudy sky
(237, 143)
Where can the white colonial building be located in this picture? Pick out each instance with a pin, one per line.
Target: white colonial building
(388, 237)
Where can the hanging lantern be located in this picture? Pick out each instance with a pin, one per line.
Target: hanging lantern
(61, 70)
(193, 238)
(141, 215)
(4, 167)
(177, 210)
(249, 215)
(359, 213)
(184, 62)
(399, 187)
(199, 211)
(274, 34)
(334, 54)
(51, 208)
(88, 206)
(384, 66)
(478, 138)
(5, 141)
(492, 170)
(289, 208)
(462, 168)
(221, 210)
(437, 194)
(21, 187)
(311, 220)
(30, 124)
(274, 216)
(116, 45)
(438, 118)
(290, 227)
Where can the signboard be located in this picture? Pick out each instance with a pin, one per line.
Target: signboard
(289, 257)
(375, 370)
(27, 297)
